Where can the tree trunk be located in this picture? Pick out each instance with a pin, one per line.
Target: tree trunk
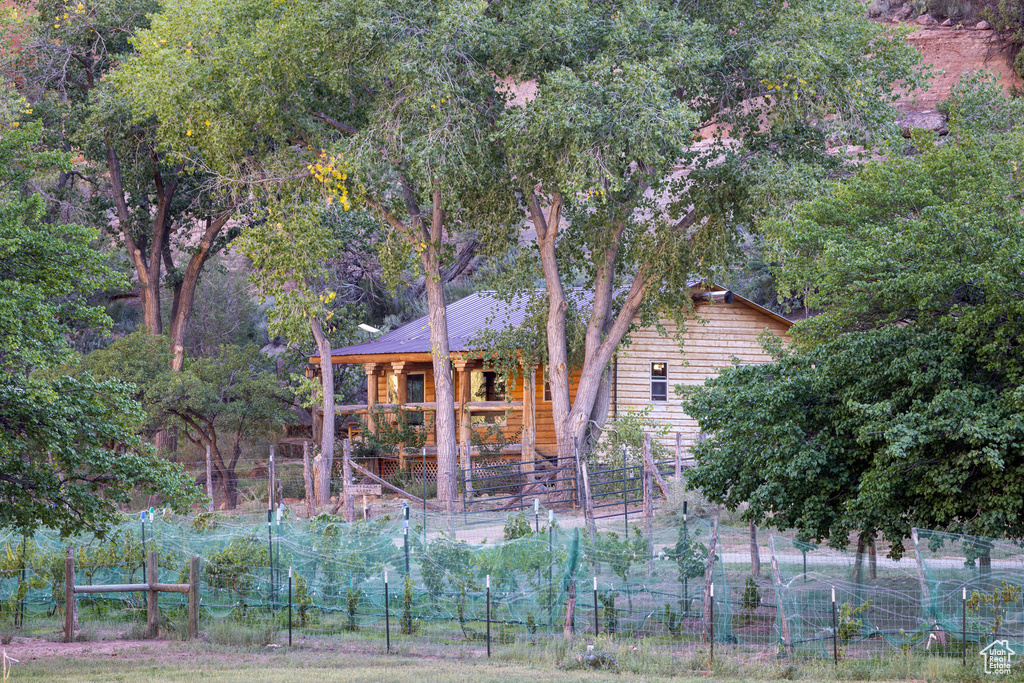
(444, 387)
(185, 293)
(755, 551)
(324, 461)
(558, 354)
(605, 328)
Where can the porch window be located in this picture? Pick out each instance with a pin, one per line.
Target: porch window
(486, 385)
(659, 381)
(415, 392)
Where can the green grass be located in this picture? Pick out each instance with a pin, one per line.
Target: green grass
(211, 663)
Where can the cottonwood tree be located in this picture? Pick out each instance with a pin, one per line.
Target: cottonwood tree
(215, 401)
(157, 206)
(619, 196)
(69, 454)
(901, 405)
(291, 246)
(396, 90)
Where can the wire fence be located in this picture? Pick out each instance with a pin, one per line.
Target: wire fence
(429, 583)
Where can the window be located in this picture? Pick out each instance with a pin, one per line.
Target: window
(659, 381)
(547, 391)
(415, 392)
(487, 386)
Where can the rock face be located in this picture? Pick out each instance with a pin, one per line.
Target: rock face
(902, 14)
(927, 120)
(956, 52)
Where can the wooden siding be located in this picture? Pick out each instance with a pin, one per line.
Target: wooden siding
(720, 332)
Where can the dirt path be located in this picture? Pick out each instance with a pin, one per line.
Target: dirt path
(27, 649)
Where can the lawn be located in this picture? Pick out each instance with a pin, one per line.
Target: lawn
(158, 661)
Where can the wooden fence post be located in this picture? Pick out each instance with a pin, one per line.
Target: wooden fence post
(193, 598)
(69, 596)
(588, 505)
(346, 470)
(679, 456)
(787, 642)
(709, 577)
(153, 599)
(307, 478)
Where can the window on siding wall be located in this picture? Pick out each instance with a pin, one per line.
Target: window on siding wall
(487, 386)
(659, 381)
(415, 392)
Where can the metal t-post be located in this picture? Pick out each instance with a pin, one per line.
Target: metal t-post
(270, 553)
(835, 630)
(387, 615)
(488, 616)
(289, 606)
(625, 497)
(711, 623)
(597, 627)
(964, 632)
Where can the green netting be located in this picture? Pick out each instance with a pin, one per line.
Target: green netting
(651, 584)
(914, 603)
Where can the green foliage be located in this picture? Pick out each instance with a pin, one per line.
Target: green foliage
(394, 428)
(996, 603)
(352, 552)
(303, 601)
(620, 555)
(232, 567)
(672, 622)
(611, 616)
(628, 432)
(517, 526)
(751, 595)
(407, 600)
(900, 407)
(446, 566)
(689, 554)
(848, 625)
(352, 599)
(215, 401)
(68, 449)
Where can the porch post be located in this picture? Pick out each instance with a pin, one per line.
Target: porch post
(462, 367)
(528, 455)
(371, 395)
(398, 369)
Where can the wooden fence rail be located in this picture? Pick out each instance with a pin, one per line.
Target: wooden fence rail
(152, 587)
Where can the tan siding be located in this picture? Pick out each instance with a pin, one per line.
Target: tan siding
(709, 343)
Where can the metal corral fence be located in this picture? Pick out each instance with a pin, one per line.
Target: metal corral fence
(388, 583)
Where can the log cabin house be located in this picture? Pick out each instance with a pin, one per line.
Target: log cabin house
(399, 374)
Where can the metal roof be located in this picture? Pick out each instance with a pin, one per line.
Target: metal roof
(467, 318)
(470, 316)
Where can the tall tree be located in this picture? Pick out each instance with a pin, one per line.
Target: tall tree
(157, 206)
(68, 450)
(271, 90)
(619, 195)
(901, 406)
(291, 247)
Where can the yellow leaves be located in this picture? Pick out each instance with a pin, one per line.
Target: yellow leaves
(56, 25)
(15, 124)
